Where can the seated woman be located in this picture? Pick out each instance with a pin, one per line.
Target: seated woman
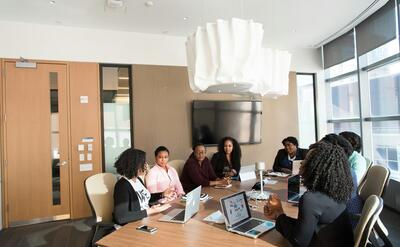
(198, 171)
(322, 218)
(285, 157)
(355, 204)
(131, 198)
(226, 162)
(357, 161)
(162, 176)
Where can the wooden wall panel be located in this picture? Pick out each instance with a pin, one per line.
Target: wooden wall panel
(85, 123)
(3, 218)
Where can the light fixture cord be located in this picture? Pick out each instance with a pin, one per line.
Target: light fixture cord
(242, 9)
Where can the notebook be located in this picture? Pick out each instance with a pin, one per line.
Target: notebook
(293, 190)
(296, 166)
(238, 218)
(191, 208)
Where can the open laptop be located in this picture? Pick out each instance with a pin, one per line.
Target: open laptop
(182, 215)
(238, 217)
(293, 190)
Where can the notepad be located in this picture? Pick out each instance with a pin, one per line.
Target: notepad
(216, 217)
(223, 186)
(278, 174)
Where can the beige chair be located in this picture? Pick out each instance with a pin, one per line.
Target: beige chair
(362, 181)
(370, 214)
(375, 183)
(178, 165)
(99, 191)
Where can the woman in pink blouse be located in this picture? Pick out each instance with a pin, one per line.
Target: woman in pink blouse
(162, 176)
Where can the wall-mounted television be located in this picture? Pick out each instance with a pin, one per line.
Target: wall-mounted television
(213, 120)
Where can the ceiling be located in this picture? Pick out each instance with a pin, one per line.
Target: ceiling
(287, 23)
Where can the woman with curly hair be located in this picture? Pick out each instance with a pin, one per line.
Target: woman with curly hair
(322, 219)
(226, 162)
(131, 198)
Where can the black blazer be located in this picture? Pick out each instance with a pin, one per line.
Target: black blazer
(219, 161)
(282, 161)
(321, 222)
(126, 203)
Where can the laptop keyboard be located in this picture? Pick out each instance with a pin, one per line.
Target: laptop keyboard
(180, 216)
(248, 225)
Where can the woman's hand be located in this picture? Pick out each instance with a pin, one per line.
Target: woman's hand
(157, 208)
(273, 207)
(226, 181)
(285, 170)
(169, 193)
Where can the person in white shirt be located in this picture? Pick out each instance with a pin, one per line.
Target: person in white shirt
(132, 201)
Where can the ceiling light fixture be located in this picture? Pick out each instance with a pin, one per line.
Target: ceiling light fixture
(52, 1)
(228, 57)
(185, 18)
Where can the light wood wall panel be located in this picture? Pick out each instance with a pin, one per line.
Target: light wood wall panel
(85, 122)
(2, 150)
(162, 114)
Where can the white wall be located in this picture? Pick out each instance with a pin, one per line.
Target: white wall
(35, 41)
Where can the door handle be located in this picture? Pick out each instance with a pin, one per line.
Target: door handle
(64, 163)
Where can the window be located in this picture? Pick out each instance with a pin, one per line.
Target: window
(306, 109)
(116, 111)
(364, 92)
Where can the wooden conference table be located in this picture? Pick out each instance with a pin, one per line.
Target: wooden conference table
(197, 232)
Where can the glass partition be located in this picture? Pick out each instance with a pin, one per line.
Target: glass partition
(116, 104)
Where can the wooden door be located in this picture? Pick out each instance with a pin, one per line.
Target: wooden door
(36, 137)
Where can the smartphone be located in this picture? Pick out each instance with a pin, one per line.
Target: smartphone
(148, 229)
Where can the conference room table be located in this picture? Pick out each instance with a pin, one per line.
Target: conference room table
(196, 231)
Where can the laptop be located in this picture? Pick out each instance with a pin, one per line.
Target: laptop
(179, 215)
(293, 190)
(238, 217)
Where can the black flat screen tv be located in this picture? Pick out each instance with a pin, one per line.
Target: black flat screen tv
(213, 120)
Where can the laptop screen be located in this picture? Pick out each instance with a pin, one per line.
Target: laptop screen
(236, 209)
(293, 186)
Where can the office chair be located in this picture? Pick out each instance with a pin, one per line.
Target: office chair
(362, 181)
(99, 191)
(372, 208)
(178, 165)
(375, 183)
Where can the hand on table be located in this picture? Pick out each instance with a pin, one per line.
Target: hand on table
(169, 193)
(158, 208)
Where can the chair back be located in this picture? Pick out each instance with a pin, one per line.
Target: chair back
(100, 191)
(362, 180)
(375, 182)
(370, 213)
(178, 165)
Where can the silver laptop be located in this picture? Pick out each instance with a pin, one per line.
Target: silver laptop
(293, 190)
(191, 208)
(238, 217)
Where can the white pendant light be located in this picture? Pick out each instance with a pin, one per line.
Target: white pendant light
(228, 57)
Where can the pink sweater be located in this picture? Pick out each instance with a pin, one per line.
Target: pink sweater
(158, 180)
